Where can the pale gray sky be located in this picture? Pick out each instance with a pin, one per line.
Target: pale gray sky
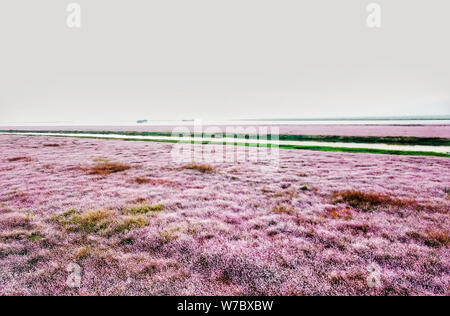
(219, 59)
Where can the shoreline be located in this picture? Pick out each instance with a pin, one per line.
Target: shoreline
(377, 148)
(242, 132)
(352, 130)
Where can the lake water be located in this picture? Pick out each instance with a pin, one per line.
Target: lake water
(235, 122)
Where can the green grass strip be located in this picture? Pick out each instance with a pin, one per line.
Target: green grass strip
(292, 147)
(420, 141)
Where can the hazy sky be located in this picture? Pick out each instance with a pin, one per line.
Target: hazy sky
(219, 59)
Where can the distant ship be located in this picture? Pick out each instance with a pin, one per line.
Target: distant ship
(142, 121)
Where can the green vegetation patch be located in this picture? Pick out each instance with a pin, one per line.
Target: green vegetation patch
(143, 209)
(430, 141)
(393, 140)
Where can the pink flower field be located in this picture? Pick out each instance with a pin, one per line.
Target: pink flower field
(442, 131)
(138, 224)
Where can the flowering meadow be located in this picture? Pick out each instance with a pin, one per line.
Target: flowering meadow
(136, 223)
